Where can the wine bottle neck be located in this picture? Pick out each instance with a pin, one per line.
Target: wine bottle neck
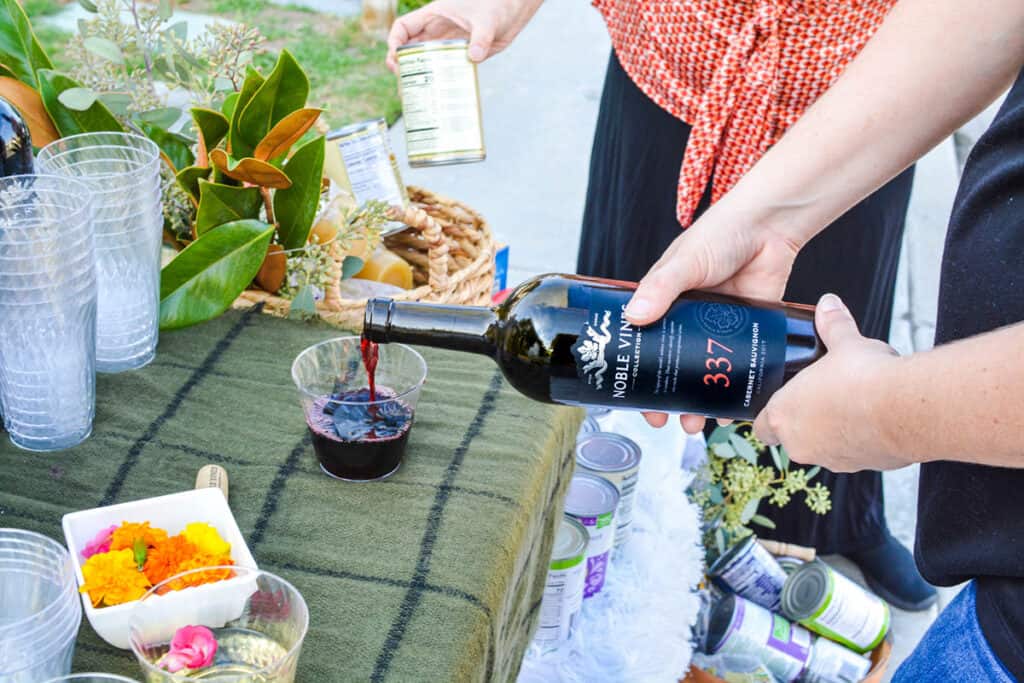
(458, 328)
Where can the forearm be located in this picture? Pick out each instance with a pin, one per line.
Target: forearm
(963, 401)
(931, 66)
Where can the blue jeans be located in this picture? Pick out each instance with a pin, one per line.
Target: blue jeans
(954, 649)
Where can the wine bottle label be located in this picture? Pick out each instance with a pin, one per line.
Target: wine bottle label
(703, 357)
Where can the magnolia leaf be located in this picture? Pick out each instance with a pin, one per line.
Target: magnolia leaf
(105, 48)
(274, 269)
(284, 91)
(212, 127)
(117, 102)
(164, 9)
(176, 149)
(164, 117)
(724, 451)
(761, 520)
(237, 144)
(95, 119)
(220, 204)
(296, 207)
(188, 179)
(303, 305)
(249, 170)
(228, 106)
(749, 510)
(208, 275)
(743, 448)
(721, 434)
(20, 52)
(88, 6)
(813, 472)
(351, 266)
(286, 133)
(30, 105)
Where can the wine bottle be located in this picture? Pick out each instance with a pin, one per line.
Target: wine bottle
(565, 339)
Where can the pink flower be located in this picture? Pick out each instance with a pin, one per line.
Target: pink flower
(100, 543)
(193, 647)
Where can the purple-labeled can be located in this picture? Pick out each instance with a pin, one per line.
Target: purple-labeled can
(750, 571)
(592, 500)
(738, 626)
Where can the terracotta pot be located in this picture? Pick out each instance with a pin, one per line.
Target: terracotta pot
(879, 657)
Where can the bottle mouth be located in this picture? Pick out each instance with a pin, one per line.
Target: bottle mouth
(377, 319)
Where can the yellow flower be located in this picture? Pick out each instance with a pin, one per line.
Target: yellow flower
(206, 538)
(113, 578)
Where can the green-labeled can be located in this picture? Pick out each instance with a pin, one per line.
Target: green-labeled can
(832, 605)
(563, 592)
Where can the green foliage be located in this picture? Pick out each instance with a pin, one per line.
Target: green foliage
(220, 204)
(733, 484)
(202, 281)
(70, 121)
(296, 206)
(406, 6)
(20, 51)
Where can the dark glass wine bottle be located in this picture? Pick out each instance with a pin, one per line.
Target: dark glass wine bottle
(564, 339)
(15, 142)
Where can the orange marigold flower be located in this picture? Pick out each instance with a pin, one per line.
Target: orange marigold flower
(164, 558)
(199, 578)
(113, 578)
(125, 535)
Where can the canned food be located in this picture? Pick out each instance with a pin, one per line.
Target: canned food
(832, 663)
(441, 103)
(828, 603)
(369, 162)
(750, 571)
(563, 592)
(598, 411)
(740, 627)
(592, 500)
(789, 564)
(616, 459)
(589, 426)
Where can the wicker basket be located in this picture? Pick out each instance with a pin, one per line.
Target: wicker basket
(449, 247)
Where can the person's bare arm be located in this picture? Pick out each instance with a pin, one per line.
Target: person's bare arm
(931, 66)
(864, 407)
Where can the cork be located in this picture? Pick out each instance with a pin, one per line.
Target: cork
(213, 477)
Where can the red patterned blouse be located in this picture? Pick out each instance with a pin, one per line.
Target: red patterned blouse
(740, 72)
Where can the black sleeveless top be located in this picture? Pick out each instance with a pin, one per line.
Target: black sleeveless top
(971, 517)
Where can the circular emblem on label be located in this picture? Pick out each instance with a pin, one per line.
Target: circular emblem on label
(722, 319)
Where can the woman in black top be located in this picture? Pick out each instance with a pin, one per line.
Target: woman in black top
(958, 409)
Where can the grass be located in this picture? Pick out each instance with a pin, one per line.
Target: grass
(346, 68)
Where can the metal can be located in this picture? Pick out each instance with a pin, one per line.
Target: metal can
(369, 162)
(617, 459)
(832, 663)
(828, 603)
(598, 411)
(789, 564)
(750, 571)
(740, 627)
(588, 427)
(592, 500)
(441, 103)
(563, 592)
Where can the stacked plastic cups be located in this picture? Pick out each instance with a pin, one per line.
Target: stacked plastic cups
(40, 610)
(123, 171)
(47, 311)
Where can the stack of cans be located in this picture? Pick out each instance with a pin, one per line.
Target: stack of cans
(803, 620)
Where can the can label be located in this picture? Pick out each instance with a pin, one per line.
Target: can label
(702, 357)
(371, 166)
(562, 601)
(626, 483)
(755, 575)
(441, 103)
(833, 663)
(782, 646)
(601, 530)
(850, 615)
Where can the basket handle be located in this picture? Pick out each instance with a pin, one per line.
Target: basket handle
(433, 234)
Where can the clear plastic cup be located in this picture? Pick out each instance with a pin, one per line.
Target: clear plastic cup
(124, 172)
(259, 620)
(356, 437)
(92, 678)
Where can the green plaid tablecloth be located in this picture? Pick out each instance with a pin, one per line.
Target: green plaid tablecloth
(432, 575)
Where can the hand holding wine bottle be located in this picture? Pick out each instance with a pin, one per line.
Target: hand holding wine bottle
(730, 250)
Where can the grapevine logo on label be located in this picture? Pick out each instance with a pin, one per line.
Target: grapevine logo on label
(721, 319)
(590, 351)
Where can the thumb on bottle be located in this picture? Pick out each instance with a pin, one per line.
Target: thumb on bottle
(834, 322)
